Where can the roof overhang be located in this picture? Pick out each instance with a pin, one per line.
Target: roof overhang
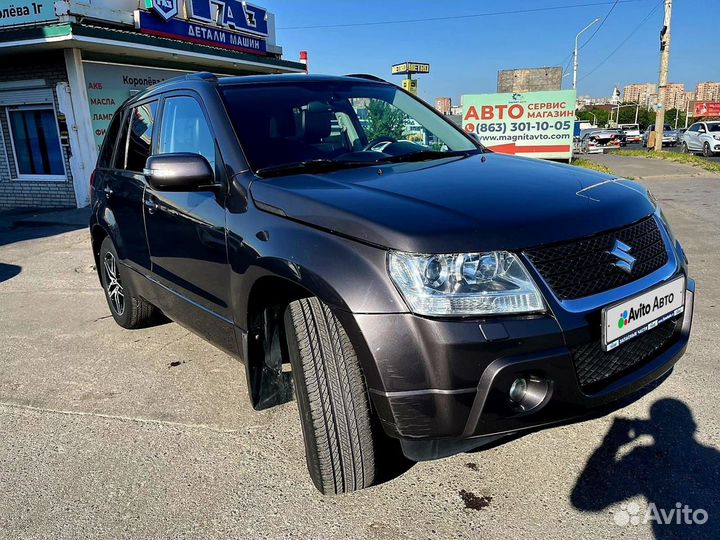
(128, 46)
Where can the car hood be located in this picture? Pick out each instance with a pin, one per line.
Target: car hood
(481, 202)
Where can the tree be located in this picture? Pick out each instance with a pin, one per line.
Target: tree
(384, 120)
(599, 117)
(672, 114)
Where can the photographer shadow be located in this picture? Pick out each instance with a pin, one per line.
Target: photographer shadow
(673, 469)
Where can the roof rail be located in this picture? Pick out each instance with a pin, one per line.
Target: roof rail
(366, 76)
(204, 75)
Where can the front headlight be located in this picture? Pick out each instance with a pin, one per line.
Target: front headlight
(716, 137)
(488, 283)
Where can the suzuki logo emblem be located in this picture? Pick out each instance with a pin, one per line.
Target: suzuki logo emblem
(625, 261)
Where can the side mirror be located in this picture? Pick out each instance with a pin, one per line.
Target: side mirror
(179, 172)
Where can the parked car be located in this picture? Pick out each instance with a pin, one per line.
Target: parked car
(680, 132)
(669, 136)
(440, 299)
(702, 137)
(632, 132)
(596, 141)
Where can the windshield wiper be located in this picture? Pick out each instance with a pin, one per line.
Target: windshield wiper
(310, 165)
(427, 155)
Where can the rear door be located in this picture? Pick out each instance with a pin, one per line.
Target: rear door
(123, 184)
(186, 230)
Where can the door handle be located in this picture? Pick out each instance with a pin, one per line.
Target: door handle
(151, 206)
(108, 191)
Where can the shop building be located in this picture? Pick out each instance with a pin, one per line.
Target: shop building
(67, 65)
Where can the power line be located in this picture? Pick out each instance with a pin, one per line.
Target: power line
(455, 17)
(568, 58)
(599, 26)
(616, 49)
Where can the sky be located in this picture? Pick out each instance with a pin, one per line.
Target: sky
(466, 53)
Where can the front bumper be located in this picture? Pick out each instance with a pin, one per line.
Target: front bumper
(440, 384)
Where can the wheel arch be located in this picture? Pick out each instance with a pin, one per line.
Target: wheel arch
(261, 312)
(97, 234)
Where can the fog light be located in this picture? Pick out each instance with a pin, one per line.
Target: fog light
(518, 390)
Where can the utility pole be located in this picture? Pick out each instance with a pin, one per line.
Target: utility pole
(575, 53)
(664, 66)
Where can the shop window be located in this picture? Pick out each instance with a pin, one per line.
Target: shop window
(142, 121)
(36, 143)
(185, 129)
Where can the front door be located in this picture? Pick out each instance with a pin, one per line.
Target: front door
(186, 230)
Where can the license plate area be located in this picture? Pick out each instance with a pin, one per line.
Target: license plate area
(634, 316)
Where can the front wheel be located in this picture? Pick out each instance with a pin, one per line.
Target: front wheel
(684, 148)
(706, 150)
(332, 399)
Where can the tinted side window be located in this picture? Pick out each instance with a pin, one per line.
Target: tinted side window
(142, 120)
(110, 141)
(185, 129)
(121, 143)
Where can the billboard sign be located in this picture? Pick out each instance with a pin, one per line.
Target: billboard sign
(407, 68)
(228, 24)
(201, 34)
(20, 12)
(535, 124)
(706, 108)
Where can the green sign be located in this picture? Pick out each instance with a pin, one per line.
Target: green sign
(537, 124)
(109, 85)
(20, 12)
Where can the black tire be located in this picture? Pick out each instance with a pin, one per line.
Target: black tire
(332, 399)
(133, 311)
(706, 150)
(684, 148)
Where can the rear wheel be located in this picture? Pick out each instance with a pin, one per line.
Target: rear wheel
(127, 308)
(332, 399)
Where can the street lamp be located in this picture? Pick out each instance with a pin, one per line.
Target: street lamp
(637, 110)
(575, 54)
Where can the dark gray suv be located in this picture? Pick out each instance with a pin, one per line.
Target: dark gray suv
(423, 292)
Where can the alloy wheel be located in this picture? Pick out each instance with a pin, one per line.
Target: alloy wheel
(706, 150)
(113, 284)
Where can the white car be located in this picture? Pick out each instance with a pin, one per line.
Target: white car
(702, 137)
(632, 132)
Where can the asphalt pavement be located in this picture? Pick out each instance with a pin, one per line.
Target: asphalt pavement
(109, 433)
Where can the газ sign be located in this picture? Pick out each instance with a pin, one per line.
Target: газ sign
(537, 124)
(234, 25)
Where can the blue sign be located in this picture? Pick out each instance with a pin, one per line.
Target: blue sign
(187, 30)
(167, 9)
(231, 14)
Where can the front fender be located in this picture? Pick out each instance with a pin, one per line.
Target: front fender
(343, 273)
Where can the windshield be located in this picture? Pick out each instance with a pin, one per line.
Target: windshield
(713, 127)
(281, 125)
